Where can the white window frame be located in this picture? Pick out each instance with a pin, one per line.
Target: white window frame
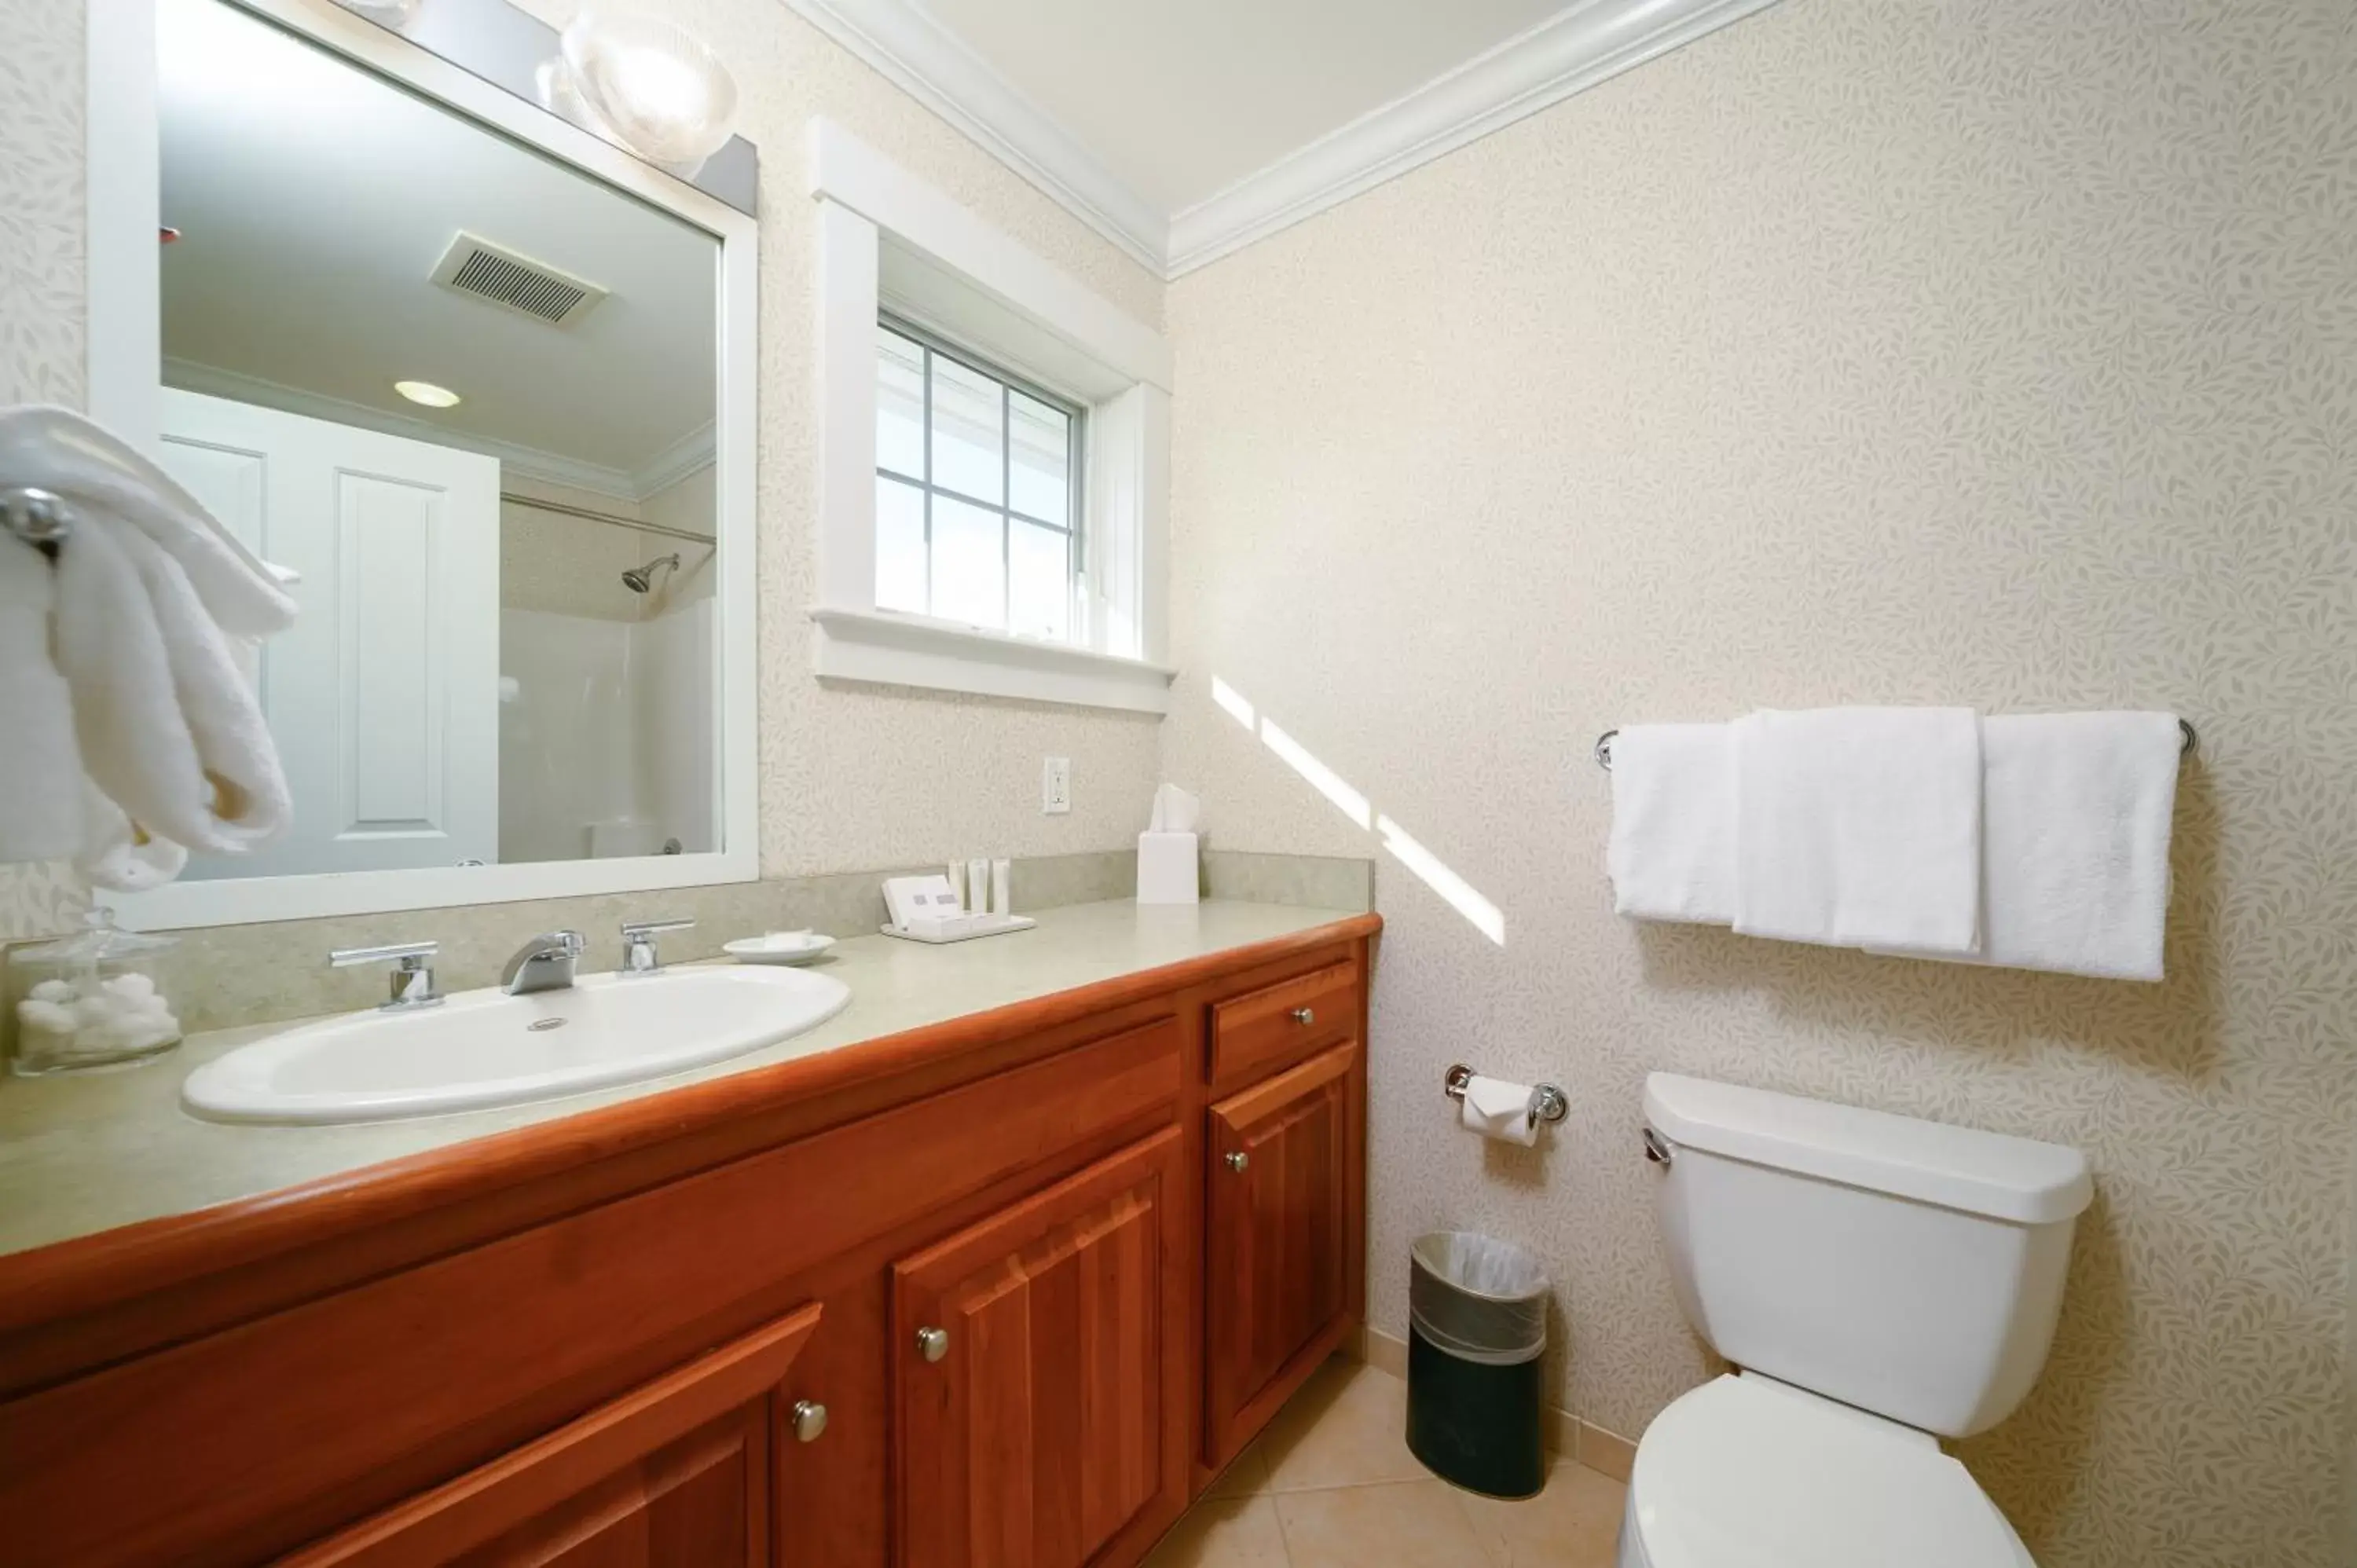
(987, 294)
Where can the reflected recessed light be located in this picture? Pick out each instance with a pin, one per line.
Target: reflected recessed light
(427, 394)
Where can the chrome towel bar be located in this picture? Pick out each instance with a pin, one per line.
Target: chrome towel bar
(1604, 744)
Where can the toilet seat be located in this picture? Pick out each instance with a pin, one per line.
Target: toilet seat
(1746, 1472)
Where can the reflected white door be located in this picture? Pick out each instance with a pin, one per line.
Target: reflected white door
(383, 697)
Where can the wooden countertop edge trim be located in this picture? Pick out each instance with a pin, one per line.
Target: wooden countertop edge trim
(43, 1283)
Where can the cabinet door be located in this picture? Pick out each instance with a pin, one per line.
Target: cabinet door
(1032, 1353)
(1279, 1240)
(679, 1473)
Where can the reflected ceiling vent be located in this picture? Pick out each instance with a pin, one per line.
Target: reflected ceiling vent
(474, 266)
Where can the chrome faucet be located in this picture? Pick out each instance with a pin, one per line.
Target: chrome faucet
(544, 963)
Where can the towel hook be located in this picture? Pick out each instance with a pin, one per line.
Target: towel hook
(41, 518)
(2189, 739)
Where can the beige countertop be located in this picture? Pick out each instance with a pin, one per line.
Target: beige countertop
(85, 1153)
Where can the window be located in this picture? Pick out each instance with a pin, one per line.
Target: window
(978, 532)
(977, 515)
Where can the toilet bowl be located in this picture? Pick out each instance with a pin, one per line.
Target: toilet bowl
(1746, 1471)
(1882, 1283)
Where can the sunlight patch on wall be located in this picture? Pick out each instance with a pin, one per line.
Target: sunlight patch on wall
(1427, 867)
(1458, 894)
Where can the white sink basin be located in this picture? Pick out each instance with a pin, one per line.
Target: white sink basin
(485, 1047)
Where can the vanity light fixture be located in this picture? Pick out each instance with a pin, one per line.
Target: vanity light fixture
(427, 392)
(646, 84)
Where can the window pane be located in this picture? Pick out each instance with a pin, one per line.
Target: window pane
(969, 564)
(899, 546)
(1039, 582)
(899, 405)
(1043, 456)
(969, 441)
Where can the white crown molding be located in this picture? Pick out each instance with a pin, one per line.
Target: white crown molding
(1567, 53)
(691, 452)
(924, 59)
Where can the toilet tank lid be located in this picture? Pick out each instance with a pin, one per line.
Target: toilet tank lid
(2017, 1180)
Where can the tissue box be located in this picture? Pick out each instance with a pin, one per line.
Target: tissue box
(1166, 869)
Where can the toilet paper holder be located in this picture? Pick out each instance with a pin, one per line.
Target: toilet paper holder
(1548, 1103)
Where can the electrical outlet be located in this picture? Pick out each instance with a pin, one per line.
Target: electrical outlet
(1056, 787)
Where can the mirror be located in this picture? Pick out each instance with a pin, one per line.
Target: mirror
(466, 394)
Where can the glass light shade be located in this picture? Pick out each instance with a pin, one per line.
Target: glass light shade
(653, 85)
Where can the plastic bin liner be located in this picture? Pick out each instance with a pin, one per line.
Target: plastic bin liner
(1478, 1298)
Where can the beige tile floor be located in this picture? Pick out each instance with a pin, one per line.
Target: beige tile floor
(1332, 1485)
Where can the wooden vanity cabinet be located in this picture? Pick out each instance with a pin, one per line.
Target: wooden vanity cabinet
(1031, 1356)
(1046, 1269)
(1283, 1258)
(682, 1471)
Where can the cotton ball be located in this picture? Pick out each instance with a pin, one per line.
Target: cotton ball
(132, 987)
(44, 1016)
(54, 990)
(89, 1012)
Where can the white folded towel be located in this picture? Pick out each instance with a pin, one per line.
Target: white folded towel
(2077, 817)
(1860, 827)
(149, 592)
(40, 767)
(1672, 854)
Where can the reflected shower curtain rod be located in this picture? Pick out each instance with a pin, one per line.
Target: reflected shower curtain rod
(610, 519)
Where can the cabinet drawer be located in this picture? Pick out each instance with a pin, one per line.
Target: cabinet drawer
(1283, 1023)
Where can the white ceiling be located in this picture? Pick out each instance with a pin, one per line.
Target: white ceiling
(314, 200)
(1182, 130)
(1181, 101)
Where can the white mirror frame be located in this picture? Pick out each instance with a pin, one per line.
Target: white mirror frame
(125, 335)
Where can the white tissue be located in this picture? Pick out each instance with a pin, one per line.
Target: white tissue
(1175, 810)
(1497, 1109)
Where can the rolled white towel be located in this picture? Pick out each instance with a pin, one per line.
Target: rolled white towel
(40, 765)
(169, 730)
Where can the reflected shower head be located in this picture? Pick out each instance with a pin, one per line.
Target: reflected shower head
(640, 579)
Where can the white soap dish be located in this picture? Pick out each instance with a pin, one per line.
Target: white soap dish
(779, 946)
(960, 928)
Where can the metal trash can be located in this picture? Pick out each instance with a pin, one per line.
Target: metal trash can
(1476, 1329)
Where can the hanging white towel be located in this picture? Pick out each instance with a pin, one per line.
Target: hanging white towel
(1860, 827)
(1672, 854)
(40, 767)
(149, 593)
(2077, 813)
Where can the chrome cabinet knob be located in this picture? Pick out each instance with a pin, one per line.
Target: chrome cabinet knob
(933, 1343)
(1304, 1016)
(810, 1420)
(1238, 1160)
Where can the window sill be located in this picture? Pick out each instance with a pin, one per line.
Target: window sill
(911, 651)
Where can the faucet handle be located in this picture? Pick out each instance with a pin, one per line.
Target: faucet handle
(639, 955)
(412, 974)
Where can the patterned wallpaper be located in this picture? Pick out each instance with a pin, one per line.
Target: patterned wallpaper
(850, 777)
(1982, 352)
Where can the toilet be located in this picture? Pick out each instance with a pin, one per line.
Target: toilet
(1879, 1283)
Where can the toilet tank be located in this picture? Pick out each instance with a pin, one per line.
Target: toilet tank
(1909, 1268)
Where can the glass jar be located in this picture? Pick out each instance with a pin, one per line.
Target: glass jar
(89, 1000)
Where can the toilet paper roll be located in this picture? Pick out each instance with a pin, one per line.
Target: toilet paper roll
(1497, 1109)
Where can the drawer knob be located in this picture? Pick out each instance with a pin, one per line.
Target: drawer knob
(1238, 1160)
(810, 1420)
(933, 1343)
(1304, 1016)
